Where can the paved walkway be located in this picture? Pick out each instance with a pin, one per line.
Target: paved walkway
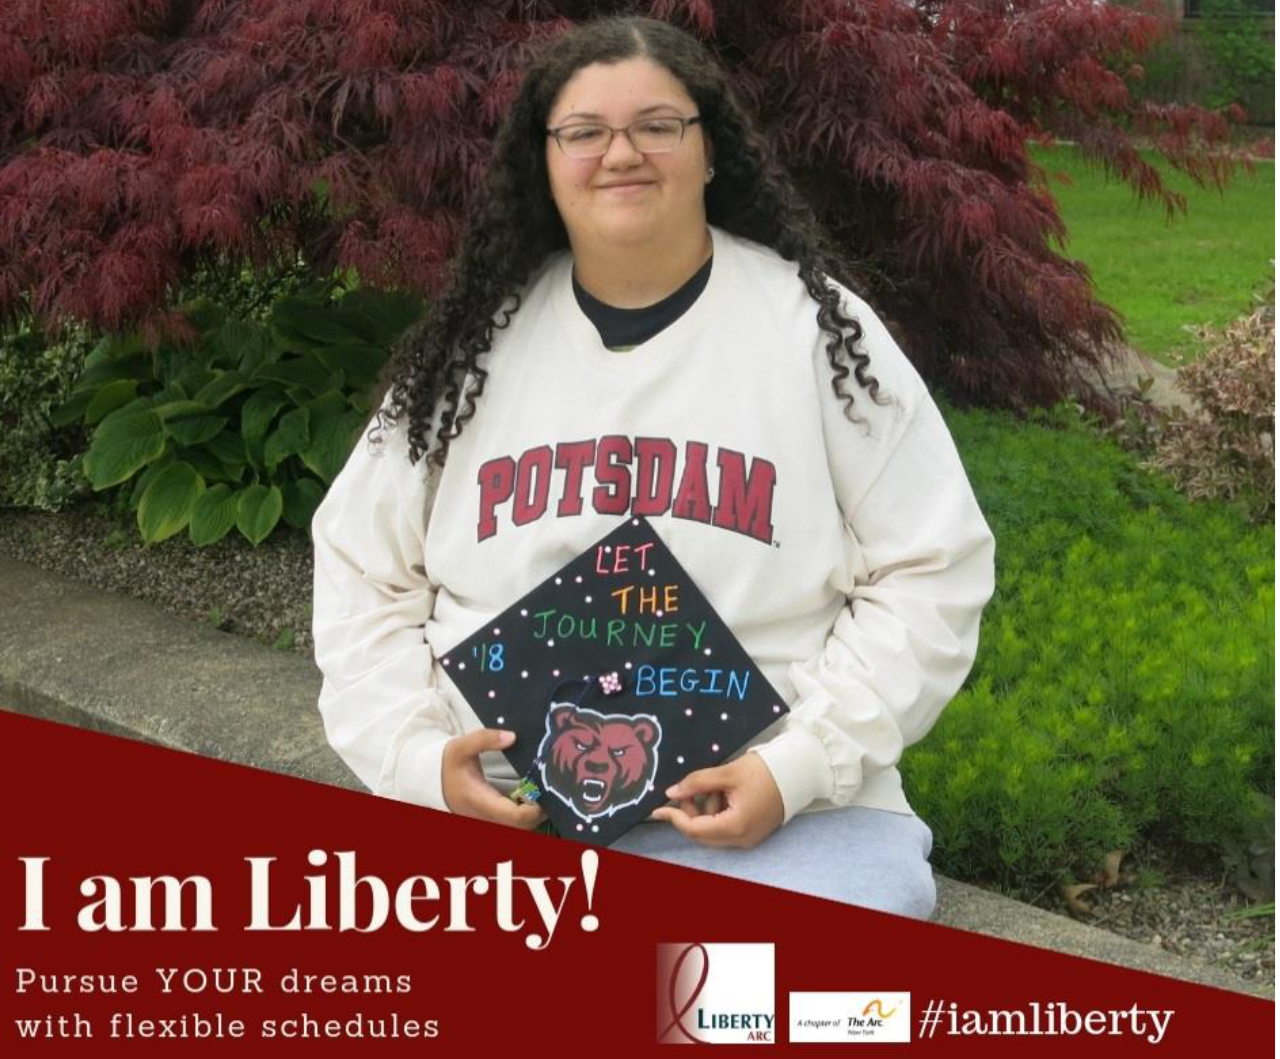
(73, 653)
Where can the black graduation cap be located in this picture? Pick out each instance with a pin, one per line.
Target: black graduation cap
(618, 678)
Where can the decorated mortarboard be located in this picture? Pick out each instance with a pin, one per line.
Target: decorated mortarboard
(618, 678)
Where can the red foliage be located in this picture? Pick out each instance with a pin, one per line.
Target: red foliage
(141, 138)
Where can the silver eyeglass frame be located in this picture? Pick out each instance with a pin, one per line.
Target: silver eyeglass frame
(614, 130)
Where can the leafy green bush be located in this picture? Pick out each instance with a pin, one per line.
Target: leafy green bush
(1224, 57)
(1242, 55)
(39, 463)
(1124, 683)
(249, 291)
(245, 427)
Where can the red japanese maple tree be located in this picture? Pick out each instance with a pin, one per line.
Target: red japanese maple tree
(140, 139)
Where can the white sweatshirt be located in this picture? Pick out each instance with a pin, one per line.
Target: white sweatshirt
(851, 560)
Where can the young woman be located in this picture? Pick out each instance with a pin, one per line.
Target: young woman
(643, 319)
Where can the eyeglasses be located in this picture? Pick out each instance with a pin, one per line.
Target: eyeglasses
(648, 136)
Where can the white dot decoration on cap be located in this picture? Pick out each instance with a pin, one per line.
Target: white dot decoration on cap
(501, 720)
(559, 581)
(555, 672)
(551, 643)
(706, 650)
(595, 828)
(493, 694)
(524, 674)
(462, 665)
(497, 631)
(724, 717)
(688, 712)
(578, 579)
(651, 571)
(445, 662)
(777, 708)
(715, 748)
(679, 759)
(523, 613)
(588, 599)
(635, 522)
(626, 665)
(608, 547)
(581, 828)
(657, 614)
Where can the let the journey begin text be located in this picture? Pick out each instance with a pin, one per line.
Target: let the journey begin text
(639, 622)
(338, 898)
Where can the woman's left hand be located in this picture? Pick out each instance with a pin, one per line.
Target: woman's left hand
(742, 804)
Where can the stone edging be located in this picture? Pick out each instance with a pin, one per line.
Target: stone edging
(125, 668)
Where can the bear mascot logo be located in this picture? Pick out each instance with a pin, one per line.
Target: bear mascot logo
(598, 763)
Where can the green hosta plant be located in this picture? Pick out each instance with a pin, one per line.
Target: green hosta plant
(245, 427)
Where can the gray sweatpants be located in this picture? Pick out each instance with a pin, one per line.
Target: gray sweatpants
(855, 855)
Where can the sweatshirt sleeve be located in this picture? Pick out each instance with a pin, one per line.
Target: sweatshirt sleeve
(920, 558)
(382, 712)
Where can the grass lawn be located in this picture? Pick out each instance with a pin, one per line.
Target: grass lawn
(1161, 275)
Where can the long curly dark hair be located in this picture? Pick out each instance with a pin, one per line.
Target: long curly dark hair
(434, 377)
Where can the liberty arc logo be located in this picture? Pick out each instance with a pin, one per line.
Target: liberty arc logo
(715, 993)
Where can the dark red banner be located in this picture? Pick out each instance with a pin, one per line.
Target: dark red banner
(164, 904)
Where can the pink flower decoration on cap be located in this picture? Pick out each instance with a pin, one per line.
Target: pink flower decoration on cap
(610, 683)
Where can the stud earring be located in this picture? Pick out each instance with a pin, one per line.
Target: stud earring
(711, 171)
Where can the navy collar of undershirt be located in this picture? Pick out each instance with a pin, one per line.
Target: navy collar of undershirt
(624, 328)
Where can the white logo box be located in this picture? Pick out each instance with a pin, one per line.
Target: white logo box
(850, 1018)
(716, 993)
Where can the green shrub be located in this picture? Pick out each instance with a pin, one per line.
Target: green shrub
(1242, 56)
(250, 292)
(247, 426)
(1224, 57)
(1124, 684)
(39, 462)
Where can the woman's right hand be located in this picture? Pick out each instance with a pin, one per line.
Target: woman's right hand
(468, 793)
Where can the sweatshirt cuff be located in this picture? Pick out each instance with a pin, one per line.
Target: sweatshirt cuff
(800, 767)
(419, 770)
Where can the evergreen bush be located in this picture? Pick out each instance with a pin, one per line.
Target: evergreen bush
(40, 463)
(1124, 684)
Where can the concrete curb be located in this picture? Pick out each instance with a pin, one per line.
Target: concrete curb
(72, 653)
